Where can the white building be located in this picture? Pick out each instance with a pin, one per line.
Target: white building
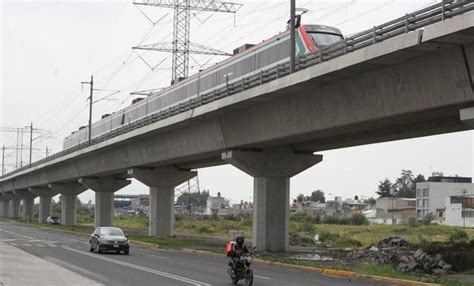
(432, 196)
(391, 210)
(215, 204)
(460, 211)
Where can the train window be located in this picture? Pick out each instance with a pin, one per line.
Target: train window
(123, 119)
(325, 39)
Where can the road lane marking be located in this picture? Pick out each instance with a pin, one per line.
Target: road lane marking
(15, 233)
(27, 244)
(162, 257)
(262, 277)
(146, 269)
(151, 254)
(39, 245)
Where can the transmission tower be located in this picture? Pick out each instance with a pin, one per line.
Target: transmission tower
(19, 146)
(181, 47)
(189, 187)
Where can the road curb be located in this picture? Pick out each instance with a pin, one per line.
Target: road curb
(323, 271)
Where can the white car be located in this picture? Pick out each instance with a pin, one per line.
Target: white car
(53, 220)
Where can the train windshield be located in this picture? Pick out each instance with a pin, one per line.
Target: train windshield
(325, 39)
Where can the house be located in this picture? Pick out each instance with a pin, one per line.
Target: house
(214, 205)
(434, 196)
(392, 210)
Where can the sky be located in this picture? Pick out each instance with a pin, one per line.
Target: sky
(49, 47)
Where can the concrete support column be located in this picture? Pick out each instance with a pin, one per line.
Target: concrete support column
(162, 182)
(28, 202)
(4, 206)
(14, 205)
(272, 170)
(104, 188)
(69, 192)
(15, 208)
(45, 202)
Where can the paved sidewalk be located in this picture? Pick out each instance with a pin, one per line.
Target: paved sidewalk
(18, 267)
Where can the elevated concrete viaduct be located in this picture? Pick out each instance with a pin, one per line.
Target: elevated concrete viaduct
(415, 84)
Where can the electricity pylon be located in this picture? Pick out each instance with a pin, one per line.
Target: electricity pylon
(181, 47)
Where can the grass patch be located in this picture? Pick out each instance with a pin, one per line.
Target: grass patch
(389, 271)
(172, 243)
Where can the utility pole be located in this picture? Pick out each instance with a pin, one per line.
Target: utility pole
(33, 130)
(31, 142)
(47, 151)
(3, 160)
(292, 36)
(181, 47)
(463, 212)
(19, 142)
(91, 84)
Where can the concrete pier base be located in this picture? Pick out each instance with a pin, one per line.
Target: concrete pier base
(104, 209)
(162, 182)
(104, 188)
(69, 192)
(271, 170)
(45, 202)
(69, 210)
(45, 209)
(27, 209)
(4, 206)
(28, 202)
(14, 210)
(14, 204)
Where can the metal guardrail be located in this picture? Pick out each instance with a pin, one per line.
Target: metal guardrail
(410, 22)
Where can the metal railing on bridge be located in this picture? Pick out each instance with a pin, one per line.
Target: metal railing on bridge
(410, 22)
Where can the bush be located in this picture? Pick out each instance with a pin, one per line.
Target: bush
(205, 229)
(412, 221)
(328, 236)
(317, 219)
(336, 240)
(330, 220)
(458, 236)
(306, 226)
(299, 217)
(428, 218)
(359, 219)
(345, 220)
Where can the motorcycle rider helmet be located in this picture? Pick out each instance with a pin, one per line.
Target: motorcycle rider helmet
(239, 240)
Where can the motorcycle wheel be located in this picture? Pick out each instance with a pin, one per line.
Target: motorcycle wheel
(249, 278)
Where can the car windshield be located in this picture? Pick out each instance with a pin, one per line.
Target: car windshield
(325, 39)
(111, 232)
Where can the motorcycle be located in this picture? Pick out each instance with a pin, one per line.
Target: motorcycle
(240, 269)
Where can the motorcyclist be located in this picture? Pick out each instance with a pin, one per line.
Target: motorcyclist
(237, 252)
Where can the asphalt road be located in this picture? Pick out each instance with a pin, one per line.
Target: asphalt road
(146, 266)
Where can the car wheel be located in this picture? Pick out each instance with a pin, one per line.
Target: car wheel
(126, 252)
(97, 248)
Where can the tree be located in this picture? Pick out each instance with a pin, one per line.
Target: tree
(418, 179)
(300, 198)
(195, 199)
(318, 196)
(385, 189)
(371, 201)
(405, 185)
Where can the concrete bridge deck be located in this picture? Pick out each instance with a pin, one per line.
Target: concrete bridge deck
(408, 86)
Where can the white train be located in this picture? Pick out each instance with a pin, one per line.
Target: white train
(246, 61)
